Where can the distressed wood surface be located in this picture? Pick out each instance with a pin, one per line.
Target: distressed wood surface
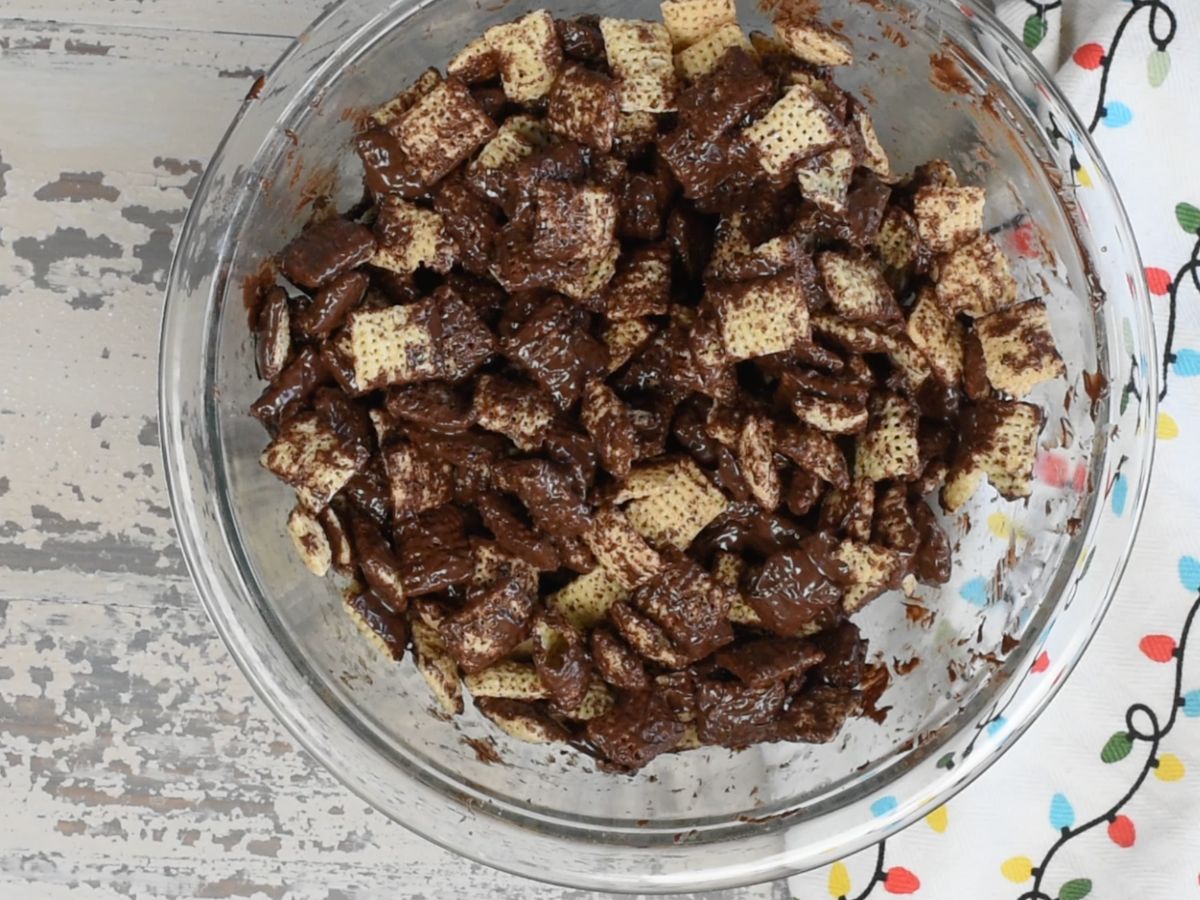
(134, 759)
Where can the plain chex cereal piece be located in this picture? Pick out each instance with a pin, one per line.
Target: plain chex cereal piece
(856, 336)
(620, 549)
(857, 288)
(948, 217)
(687, 21)
(409, 237)
(308, 454)
(909, 361)
(1018, 348)
(624, 338)
(898, 242)
(639, 54)
(829, 415)
(392, 111)
(813, 42)
(976, 279)
(442, 129)
(641, 286)
(475, 62)
(394, 345)
(756, 454)
(875, 157)
(586, 600)
(1000, 442)
(677, 503)
(517, 138)
(520, 412)
(938, 335)
(799, 125)
(784, 251)
(702, 57)
(825, 178)
(417, 482)
(591, 278)
(635, 129)
(528, 54)
(960, 486)
(310, 540)
(521, 721)
(573, 222)
(507, 680)
(596, 702)
(437, 666)
(584, 107)
(873, 570)
(763, 316)
(888, 449)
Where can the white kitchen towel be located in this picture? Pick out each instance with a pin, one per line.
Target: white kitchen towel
(1074, 810)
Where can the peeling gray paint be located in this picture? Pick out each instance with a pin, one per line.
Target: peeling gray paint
(85, 48)
(63, 244)
(86, 300)
(159, 219)
(4, 170)
(51, 522)
(3, 485)
(148, 434)
(107, 553)
(174, 166)
(155, 256)
(243, 72)
(77, 187)
(24, 43)
(97, 419)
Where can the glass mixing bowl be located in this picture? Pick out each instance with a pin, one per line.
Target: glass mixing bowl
(1030, 578)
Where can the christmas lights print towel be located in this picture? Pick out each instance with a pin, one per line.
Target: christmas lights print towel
(1078, 809)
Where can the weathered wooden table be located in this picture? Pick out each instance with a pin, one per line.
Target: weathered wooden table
(134, 759)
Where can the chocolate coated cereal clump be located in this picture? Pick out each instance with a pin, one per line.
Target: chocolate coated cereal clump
(634, 376)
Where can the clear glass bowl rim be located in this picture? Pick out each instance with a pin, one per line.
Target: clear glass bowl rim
(211, 583)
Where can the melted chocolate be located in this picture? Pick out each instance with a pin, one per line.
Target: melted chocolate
(799, 589)
(688, 606)
(736, 715)
(324, 251)
(638, 728)
(385, 623)
(494, 620)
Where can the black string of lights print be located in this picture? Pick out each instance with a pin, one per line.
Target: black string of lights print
(1142, 726)
(1161, 28)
